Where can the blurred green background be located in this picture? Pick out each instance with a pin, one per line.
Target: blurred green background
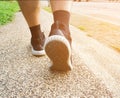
(8, 8)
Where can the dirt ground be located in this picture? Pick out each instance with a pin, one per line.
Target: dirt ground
(104, 32)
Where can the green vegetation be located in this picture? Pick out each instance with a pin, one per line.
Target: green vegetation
(7, 11)
(48, 9)
(82, 28)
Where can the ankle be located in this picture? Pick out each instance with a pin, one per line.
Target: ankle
(62, 16)
(64, 28)
(35, 31)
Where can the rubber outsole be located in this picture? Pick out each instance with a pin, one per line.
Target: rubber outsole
(58, 50)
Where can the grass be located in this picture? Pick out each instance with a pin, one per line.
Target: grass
(7, 11)
(82, 28)
(48, 9)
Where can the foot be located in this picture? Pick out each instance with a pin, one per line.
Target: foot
(37, 45)
(58, 47)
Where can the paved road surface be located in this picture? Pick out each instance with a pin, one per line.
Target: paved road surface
(109, 12)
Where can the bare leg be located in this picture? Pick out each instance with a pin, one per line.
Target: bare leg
(61, 5)
(31, 12)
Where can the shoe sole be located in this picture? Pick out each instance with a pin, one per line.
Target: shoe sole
(38, 53)
(58, 50)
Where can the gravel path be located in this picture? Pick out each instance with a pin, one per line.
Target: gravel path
(96, 72)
